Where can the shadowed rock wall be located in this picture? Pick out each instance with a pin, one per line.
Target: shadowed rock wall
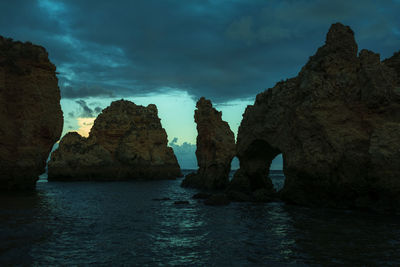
(31, 119)
(215, 149)
(337, 125)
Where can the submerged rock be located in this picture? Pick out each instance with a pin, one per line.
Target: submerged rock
(161, 199)
(201, 195)
(126, 142)
(30, 113)
(217, 200)
(337, 125)
(215, 149)
(181, 202)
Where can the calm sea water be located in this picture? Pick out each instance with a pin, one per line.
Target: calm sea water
(118, 223)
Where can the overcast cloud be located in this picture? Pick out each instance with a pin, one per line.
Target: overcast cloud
(220, 49)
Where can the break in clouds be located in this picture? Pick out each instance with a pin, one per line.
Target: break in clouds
(86, 111)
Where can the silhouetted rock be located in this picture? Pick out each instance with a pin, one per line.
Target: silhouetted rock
(126, 142)
(161, 199)
(30, 113)
(181, 202)
(217, 200)
(215, 149)
(337, 125)
(239, 196)
(201, 196)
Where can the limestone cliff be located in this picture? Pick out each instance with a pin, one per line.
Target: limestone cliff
(126, 142)
(215, 149)
(30, 113)
(337, 125)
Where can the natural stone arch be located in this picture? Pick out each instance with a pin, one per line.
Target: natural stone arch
(337, 125)
(276, 174)
(255, 161)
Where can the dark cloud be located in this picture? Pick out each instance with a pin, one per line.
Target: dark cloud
(219, 49)
(85, 110)
(71, 114)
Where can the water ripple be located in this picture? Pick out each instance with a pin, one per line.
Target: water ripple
(121, 224)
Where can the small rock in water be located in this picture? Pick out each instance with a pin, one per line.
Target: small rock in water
(217, 200)
(180, 202)
(161, 199)
(201, 196)
(239, 196)
(262, 195)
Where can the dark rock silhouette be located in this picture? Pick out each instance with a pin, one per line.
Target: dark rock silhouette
(201, 195)
(181, 202)
(31, 118)
(161, 199)
(217, 200)
(215, 149)
(337, 125)
(126, 142)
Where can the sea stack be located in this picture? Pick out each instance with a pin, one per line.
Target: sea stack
(215, 149)
(337, 125)
(30, 113)
(126, 142)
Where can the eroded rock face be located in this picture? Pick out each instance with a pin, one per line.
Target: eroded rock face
(215, 149)
(126, 142)
(337, 125)
(30, 113)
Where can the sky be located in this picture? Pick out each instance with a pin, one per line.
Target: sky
(171, 52)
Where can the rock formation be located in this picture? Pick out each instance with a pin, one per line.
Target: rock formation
(30, 113)
(215, 149)
(337, 125)
(126, 142)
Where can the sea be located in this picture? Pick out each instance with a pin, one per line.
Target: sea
(137, 224)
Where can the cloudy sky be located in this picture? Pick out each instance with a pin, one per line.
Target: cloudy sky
(171, 52)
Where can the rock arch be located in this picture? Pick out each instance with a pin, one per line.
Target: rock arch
(337, 125)
(255, 161)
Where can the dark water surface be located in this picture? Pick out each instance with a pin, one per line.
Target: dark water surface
(118, 223)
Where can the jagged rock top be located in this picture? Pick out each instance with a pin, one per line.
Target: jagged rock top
(122, 118)
(20, 56)
(214, 135)
(215, 148)
(335, 124)
(340, 40)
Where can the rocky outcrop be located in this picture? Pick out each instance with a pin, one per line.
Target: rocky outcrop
(30, 113)
(215, 149)
(337, 125)
(126, 142)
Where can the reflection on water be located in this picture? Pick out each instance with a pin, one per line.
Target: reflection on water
(119, 223)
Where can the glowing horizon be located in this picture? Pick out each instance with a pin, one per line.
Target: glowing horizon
(85, 124)
(175, 109)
